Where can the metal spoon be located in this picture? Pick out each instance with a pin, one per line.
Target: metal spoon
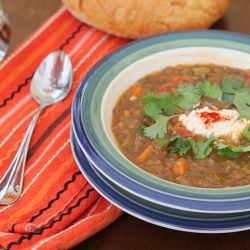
(50, 84)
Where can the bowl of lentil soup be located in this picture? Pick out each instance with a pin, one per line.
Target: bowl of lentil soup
(118, 116)
(155, 213)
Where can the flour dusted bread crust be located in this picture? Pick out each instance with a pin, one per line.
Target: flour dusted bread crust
(140, 18)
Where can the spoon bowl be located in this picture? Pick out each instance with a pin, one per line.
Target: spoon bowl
(52, 81)
(50, 84)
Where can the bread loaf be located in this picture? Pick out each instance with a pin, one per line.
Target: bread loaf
(139, 18)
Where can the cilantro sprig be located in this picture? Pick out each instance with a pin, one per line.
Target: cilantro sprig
(231, 152)
(178, 144)
(201, 149)
(159, 128)
(188, 96)
(164, 107)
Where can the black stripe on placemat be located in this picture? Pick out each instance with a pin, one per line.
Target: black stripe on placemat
(58, 194)
(40, 232)
(48, 131)
(19, 87)
(73, 34)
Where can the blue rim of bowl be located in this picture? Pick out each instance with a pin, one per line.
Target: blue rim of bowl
(88, 139)
(154, 213)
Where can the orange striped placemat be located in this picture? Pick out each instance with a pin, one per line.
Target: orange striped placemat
(58, 207)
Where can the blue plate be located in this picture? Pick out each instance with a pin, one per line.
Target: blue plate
(154, 213)
(92, 137)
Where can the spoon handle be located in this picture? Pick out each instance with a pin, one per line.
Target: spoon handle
(12, 181)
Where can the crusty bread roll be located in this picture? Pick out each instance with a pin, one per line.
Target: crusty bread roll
(140, 18)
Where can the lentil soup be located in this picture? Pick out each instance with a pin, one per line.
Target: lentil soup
(189, 125)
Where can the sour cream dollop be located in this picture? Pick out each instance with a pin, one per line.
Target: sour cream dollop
(221, 123)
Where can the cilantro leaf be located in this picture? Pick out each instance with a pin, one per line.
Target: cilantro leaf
(242, 103)
(149, 98)
(163, 142)
(246, 133)
(178, 144)
(199, 87)
(241, 149)
(229, 87)
(168, 104)
(187, 97)
(164, 102)
(224, 150)
(228, 152)
(159, 128)
(232, 152)
(227, 98)
(166, 142)
(247, 89)
(200, 148)
(151, 110)
(211, 90)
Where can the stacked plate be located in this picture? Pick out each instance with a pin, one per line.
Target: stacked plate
(118, 180)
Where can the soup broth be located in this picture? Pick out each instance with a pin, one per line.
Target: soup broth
(186, 125)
